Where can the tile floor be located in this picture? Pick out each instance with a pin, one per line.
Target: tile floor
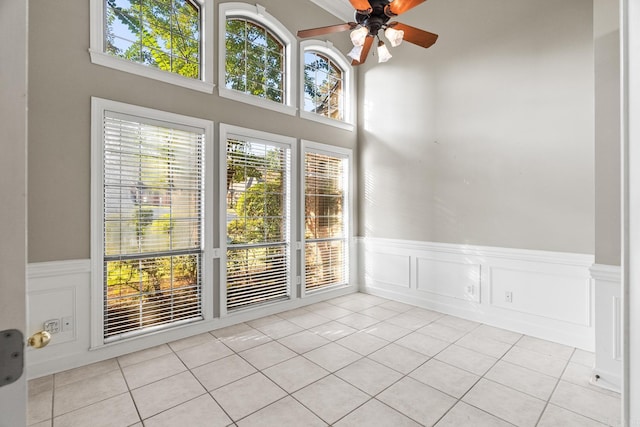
(357, 360)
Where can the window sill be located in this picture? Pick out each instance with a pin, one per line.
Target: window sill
(110, 61)
(254, 100)
(326, 120)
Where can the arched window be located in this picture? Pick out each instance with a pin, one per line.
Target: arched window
(256, 53)
(161, 39)
(327, 91)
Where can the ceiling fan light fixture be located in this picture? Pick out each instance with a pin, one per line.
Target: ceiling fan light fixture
(383, 53)
(355, 53)
(394, 36)
(359, 35)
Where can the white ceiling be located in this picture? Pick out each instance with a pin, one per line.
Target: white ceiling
(340, 8)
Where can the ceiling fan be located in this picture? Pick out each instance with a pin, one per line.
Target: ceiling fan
(371, 16)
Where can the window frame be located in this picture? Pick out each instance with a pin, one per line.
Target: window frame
(347, 153)
(99, 107)
(229, 131)
(328, 49)
(99, 57)
(260, 16)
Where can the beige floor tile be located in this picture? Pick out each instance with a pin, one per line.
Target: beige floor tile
(303, 342)
(264, 321)
(539, 362)
(423, 344)
(247, 395)
(358, 321)
(331, 398)
(202, 411)
(268, 354)
(546, 347)
(286, 412)
(40, 385)
(498, 334)
(356, 305)
(416, 400)
(466, 359)
(157, 397)
(523, 379)
(279, 329)
(191, 341)
(84, 372)
(484, 345)
(308, 320)
(333, 330)
(330, 311)
(143, 355)
(387, 331)
(400, 307)
(85, 392)
(505, 403)
(117, 411)
(362, 343)
(39, 407)
(369, 376)
(295, 373)
(592, 404)
(444, 377)
(233, 331)
(442, 332)
(243, 339)
(578, 374)
(204, 353)
(47, 423)
(555, 416)
(458, 323)
(422, 313)
(376, 414)
(583, 357)
(332, 356)
(222, 372)
(399, 358)
(408, 321)
(463, 415)
(379, 313)
(144, 373)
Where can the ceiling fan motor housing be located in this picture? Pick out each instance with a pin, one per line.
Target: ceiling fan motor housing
(376, 18)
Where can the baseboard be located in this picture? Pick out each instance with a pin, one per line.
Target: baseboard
(540, 293)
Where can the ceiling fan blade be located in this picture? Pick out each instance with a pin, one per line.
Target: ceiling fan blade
(365, 51)
(312, 32)
(360, 4)
(415, 35)
(401, 6)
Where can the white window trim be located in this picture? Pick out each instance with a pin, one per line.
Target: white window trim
(258, 14)
(227, 131)
(327, 48)
(98, 108)
(330, 150)
(99, 57)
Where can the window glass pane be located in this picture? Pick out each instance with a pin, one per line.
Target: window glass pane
(254, 60)
(155, 32)
(323, 82)
(152, 214)
(258, 203)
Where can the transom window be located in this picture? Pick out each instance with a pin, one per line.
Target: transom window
(254, 60)
(323, 86)
(163, 34)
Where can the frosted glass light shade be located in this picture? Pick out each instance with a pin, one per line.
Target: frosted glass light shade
(355, 53)
(394, 36)
(359, 35)
(383, 53)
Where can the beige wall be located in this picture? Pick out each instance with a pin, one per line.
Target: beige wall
(486, 138)
(62, 80)
(607, 131)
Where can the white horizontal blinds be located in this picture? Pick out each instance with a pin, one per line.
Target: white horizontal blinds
(326, 186)
(153, 210)
(258, 217)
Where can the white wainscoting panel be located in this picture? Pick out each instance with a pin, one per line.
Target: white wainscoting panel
(551, 293)
(608, 312)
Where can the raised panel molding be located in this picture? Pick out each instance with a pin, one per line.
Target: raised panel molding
(389, 269)
(552, 292)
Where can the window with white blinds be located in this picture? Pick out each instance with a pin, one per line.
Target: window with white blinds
(258, 205)
(326, 186)
(152, 224)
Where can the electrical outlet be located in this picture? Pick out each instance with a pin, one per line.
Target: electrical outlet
(67, 324)
(52, 326)
(470, 290)
(508, 296)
